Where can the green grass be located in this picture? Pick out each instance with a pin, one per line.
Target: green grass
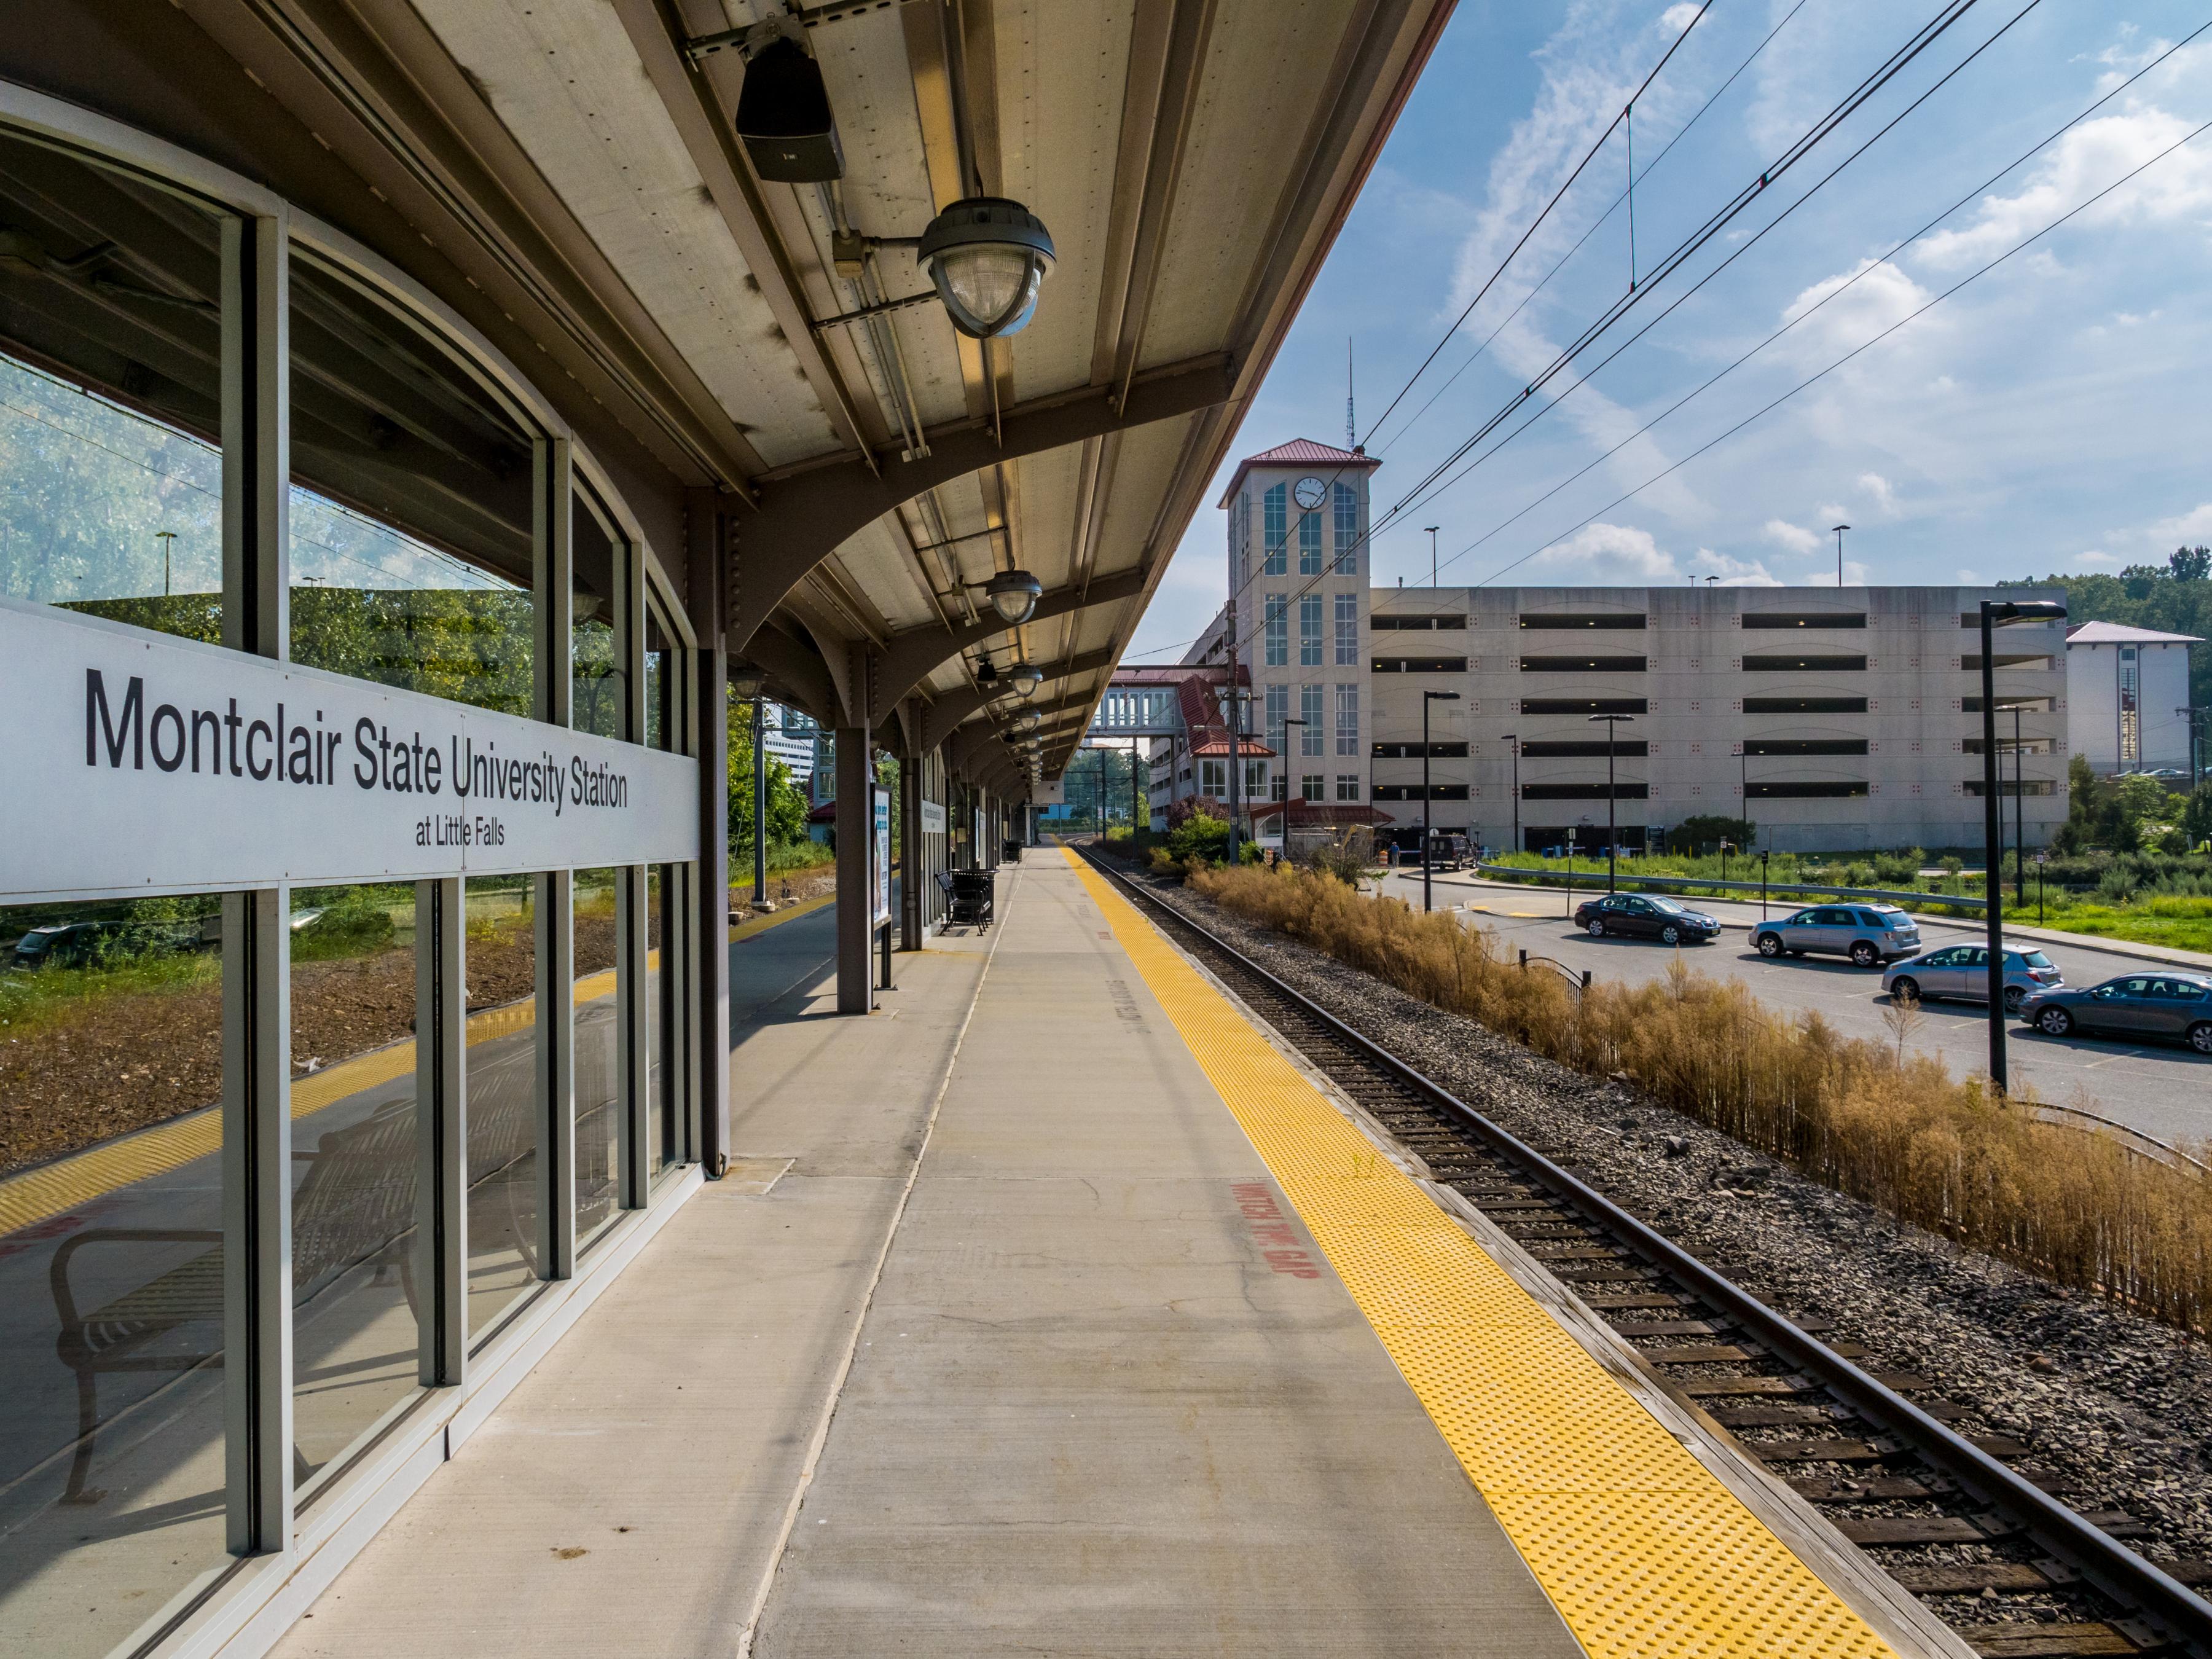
(38, 999)
(2176, 923)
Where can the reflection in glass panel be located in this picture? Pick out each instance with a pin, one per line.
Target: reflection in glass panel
(599, 1111)
(111, 1267)
(410, 515)
(596, 683)
(111, 354)
(501, 1069)
(356, 1307)
(664, 1010)
(660, 719)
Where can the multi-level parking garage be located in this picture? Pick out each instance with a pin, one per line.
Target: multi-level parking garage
(423, 1227)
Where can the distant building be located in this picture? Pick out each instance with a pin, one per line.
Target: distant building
(2128, 689)
(1837, 720)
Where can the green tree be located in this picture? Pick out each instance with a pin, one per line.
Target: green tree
(1701, 834)
(786, 801)
(2196, 816)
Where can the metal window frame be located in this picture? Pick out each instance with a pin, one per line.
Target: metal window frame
(287, 1552)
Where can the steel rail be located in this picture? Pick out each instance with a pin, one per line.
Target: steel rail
(2137, 1584)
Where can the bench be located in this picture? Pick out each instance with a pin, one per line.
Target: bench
(357, 1200)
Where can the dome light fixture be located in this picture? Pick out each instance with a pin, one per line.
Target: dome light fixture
(1029, 718)
(1014, 595)
(986, 257)
(1025, 679)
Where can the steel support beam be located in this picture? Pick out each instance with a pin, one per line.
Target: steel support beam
(856, 980)
(953, 708)
(806, 515)
(910, 658)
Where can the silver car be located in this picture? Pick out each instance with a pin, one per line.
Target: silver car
(1867, 934)
(1963, 971)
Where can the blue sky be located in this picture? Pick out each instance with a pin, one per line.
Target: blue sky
(2051, 415)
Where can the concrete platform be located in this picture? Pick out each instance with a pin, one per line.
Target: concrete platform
(997, 1363)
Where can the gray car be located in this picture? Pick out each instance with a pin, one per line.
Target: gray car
(1867, 934)
(1963, 970)
(2153, 1004)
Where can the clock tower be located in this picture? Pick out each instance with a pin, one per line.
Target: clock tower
(1298, 576)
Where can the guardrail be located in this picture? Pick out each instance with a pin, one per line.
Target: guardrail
(1559, 878)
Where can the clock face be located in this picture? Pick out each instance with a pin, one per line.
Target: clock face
(1310, 493)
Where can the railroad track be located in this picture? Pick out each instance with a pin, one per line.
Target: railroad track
(1966, 1523)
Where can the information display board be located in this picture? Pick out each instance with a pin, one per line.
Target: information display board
(880, 865)
(933, 817)
(176, 765)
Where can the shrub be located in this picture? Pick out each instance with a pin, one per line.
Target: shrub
(1895, 1129)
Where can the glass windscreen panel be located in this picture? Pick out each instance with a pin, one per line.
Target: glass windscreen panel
(411, 529)
(599, 561)
(111, 360)
(599, 1073)
(357, 1306)
(662, 713)
(664, 1003)
(500, 954)
(111, 1268)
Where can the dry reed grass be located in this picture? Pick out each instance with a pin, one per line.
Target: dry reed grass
(1895, 1129)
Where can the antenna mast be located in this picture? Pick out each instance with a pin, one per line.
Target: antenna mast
(1351, 438)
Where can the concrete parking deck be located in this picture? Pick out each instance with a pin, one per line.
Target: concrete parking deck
(1004, 1338)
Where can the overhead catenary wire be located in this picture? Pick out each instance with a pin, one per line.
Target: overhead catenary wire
(1597, 225)
(1894, 66)
(1751, 242)
(1918, 42)
(1812, 379)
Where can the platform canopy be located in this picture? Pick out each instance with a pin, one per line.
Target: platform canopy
(567, 175)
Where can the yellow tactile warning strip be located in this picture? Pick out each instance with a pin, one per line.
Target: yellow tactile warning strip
(1643, 1552)
(29, 1198)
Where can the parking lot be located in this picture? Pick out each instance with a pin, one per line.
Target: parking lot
(2162, 1091)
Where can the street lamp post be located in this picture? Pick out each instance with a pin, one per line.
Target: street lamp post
(1612, 723)
(1427, 863)
(1839, 553)
(2019, 833)
(1514, 738)
(1996, 613)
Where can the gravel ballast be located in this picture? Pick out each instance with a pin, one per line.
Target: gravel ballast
(2117, 1408)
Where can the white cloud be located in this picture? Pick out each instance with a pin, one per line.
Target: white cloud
(1968, 578)
(1878, 489)
(2084, 161)
(1845, 311)
(2095, 558)
(1791, 538)
(2191, 528)
(1833, 514)
(1606, 555)
(1679, 17)
(1732, 573)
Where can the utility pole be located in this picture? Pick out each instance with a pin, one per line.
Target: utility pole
(760, 806)
(1133, 742)
(1993, 612)
(1514, 738)
(168, 540)
(1839, 553)
(1428, 863)
(1236, 720)
(1613, 724)
(1431, 529)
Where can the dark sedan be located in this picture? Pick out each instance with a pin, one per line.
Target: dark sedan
(1637, 915)
(2155, 1005)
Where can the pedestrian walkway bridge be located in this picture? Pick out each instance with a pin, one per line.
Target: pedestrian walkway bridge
(1053, 1309)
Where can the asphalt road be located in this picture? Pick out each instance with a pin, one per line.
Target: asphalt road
(2161, 1090)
